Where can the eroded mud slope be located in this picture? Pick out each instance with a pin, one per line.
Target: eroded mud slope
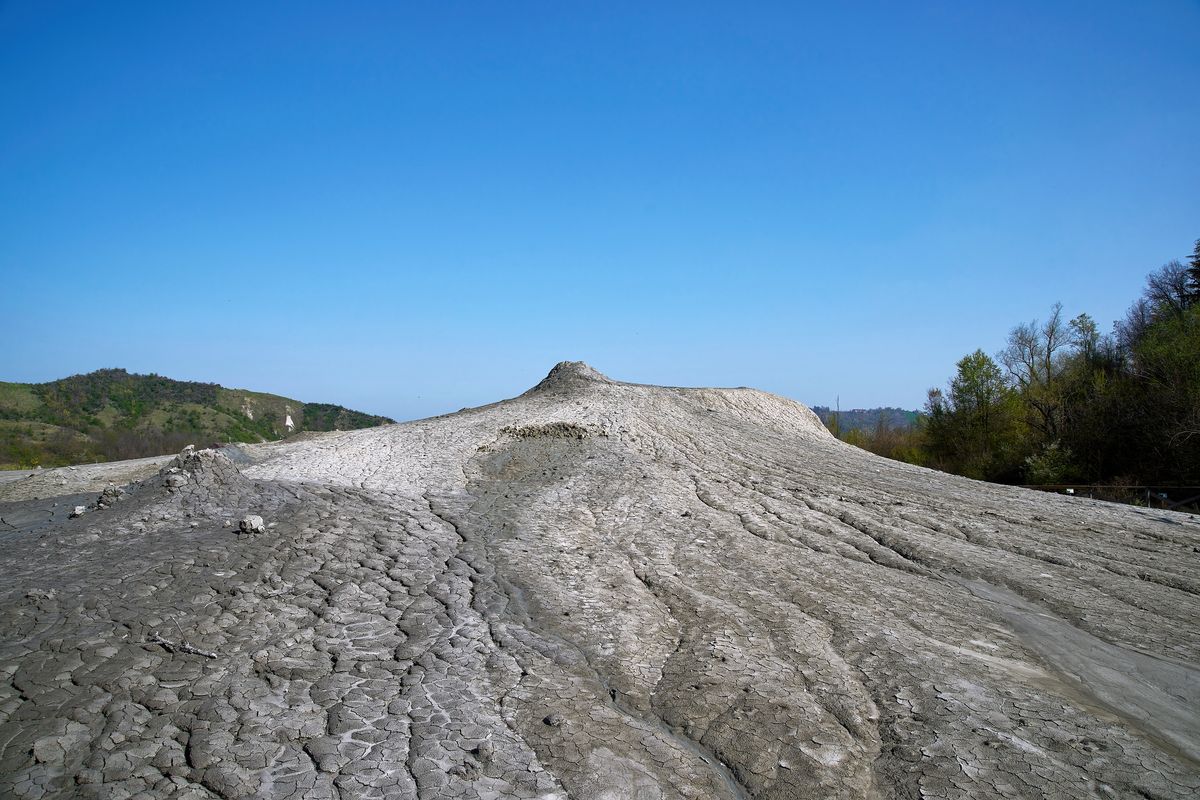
(595, 590)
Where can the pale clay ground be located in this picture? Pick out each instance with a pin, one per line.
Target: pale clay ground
(595, 590)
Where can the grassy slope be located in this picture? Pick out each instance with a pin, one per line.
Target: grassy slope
(110, 414)
(18, 396)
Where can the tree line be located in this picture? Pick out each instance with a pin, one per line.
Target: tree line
(1064, 403)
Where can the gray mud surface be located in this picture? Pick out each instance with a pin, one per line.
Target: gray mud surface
(52, 483)
(595, 590)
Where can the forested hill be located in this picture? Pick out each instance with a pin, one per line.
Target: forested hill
(857, 419)
(111, 414)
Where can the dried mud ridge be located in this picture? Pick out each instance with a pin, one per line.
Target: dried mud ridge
(595, 590)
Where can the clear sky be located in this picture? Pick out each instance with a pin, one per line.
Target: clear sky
(410, 208)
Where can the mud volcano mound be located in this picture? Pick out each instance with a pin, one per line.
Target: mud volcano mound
(594, 590)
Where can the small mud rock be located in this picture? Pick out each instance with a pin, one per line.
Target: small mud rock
(109, 496)
(78, 511)
(251, 523)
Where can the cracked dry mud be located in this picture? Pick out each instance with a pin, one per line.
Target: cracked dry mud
(594, 590)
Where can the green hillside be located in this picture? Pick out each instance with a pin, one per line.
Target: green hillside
(110, 414)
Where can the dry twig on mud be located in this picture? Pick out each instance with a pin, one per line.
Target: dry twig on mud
(179, 647)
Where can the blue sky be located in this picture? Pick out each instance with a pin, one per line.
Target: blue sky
(410, 208)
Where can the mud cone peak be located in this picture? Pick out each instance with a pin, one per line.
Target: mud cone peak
(567, 375)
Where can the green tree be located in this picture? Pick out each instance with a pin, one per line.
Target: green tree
(1085, 336)
(1193, 275)
(1164, 387)
(1091, 435)
(1052, 464)
(1035, 360)
(974, 429)
(1168, 289)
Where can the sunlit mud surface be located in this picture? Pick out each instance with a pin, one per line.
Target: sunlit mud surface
(595, 590)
